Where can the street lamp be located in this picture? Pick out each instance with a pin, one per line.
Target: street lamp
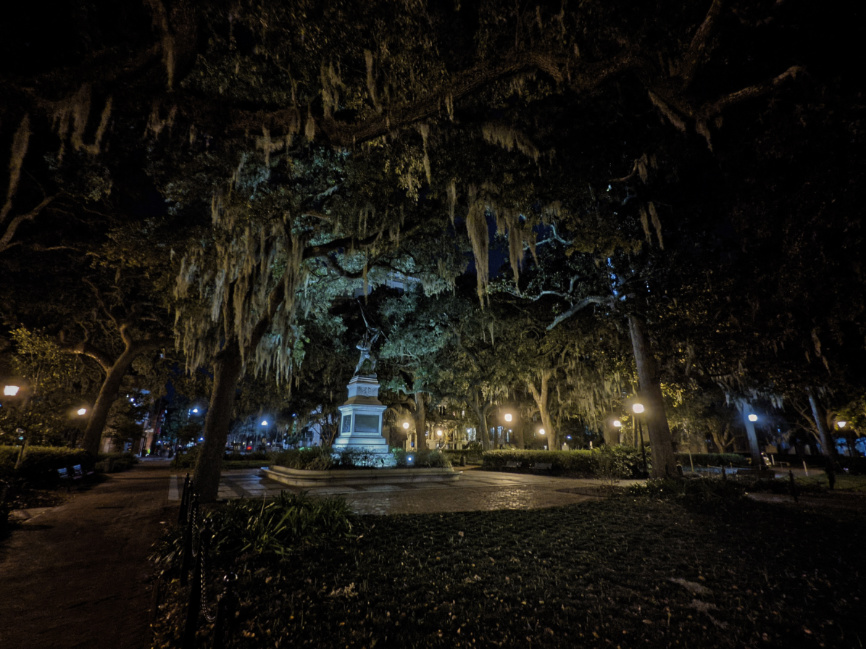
(638, 409)
(508, 417)
(405, 425)
(841, 424)
(617, 423)
(10, 390)
(541, 431)
(753, 417)
(82, 412)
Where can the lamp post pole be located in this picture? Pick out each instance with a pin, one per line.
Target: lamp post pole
(638, 408)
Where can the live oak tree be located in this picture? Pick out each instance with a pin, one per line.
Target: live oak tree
(276, 82)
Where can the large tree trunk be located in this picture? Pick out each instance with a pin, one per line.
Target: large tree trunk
(483, 435)
(227, 373)
(827, 441)
(108, 393)
(664, 461)
(420, 418)
(541, 396)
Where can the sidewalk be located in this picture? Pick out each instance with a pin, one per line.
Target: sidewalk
(77, 575)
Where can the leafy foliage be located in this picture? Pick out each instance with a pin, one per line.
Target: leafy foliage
(634, 570)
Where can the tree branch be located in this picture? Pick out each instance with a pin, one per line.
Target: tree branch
(18, 220)
(585, 302)
(699, 46)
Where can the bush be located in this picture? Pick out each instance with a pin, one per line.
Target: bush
(274, 527)
(712, 459)
(316, 458)
(39, 464)
(704, 494)
(186, 459)
(114, 462)
(421, 458)
(465, 456)
(609, 461)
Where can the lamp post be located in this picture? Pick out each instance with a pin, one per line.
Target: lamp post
(11, 391)
(508, 417)
(749, 419)
(617, 426)
(638, 409)
(541, 432)
(841, 425)
(409, 440)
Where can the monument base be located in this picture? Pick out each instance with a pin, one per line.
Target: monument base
(361, 425)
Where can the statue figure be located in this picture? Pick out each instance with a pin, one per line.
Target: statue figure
(365, 347)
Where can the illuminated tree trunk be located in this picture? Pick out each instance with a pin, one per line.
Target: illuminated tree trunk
(541, 396)
(664, 461)
(824, 435)
(227, 373)
(481, 416)
(420, 417)
(114, 373)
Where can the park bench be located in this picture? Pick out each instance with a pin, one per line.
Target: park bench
(542, 466)
(71, 475)
(512, 465)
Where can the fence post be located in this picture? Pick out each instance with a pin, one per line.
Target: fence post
(226, 610)
(192, 510)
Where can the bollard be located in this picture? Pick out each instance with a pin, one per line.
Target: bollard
(226, 610)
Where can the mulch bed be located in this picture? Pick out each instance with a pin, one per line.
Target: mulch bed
(623, 572)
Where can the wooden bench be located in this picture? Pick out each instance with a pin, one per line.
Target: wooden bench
(512, 465)
(542, 466)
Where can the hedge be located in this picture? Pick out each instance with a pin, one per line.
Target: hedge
(40, 463)
(712, 459)
(608, 461)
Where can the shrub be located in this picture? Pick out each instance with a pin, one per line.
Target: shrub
(712, 459)
(185, 459)
(705, 494)
(39, 464)
(613, 461)
(421, 458)
(277, 527)
(316, 458)
(464, 456)
(113, 462)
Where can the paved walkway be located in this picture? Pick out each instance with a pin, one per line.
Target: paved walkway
(474, 490)
(77, 575)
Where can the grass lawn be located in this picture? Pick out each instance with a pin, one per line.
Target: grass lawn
(626, 572)
(850, 483)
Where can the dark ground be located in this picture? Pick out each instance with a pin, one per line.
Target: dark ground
(77, 575)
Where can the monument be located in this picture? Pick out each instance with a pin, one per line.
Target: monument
(361, 414)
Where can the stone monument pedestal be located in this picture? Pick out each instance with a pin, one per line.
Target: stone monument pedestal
(361, 423)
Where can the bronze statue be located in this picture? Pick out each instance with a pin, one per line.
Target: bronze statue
(365, 347)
